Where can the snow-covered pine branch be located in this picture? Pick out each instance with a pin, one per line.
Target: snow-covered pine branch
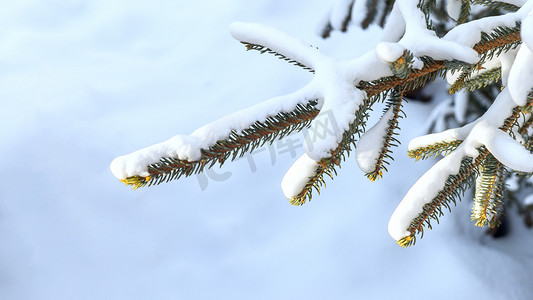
(413, 52)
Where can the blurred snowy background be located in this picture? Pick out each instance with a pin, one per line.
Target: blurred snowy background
(82, 82)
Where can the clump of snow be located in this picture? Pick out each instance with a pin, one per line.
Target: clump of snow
(509, 151)
(180, 146)
(521, 69)
(526, 31)
(389, 52)
(454, 9)
(485, 67)
(418, 64)
(298, 175)
(371, 142)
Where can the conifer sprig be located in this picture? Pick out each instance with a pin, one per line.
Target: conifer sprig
(456, 184)
(464, 12)
(527, 124)
(413, 80)
(499, 40)
(328, 165)
(388, 141)
(473, 82)
(238, 143)
(453, 189)
(489, 193)
(262, 49)
(434, 150)
(171, 168)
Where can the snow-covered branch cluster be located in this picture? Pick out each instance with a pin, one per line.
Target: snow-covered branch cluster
(410, 54)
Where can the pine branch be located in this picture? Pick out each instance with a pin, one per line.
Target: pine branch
(413, 80)
(454, 188)
(375, 91)
(394, 103)
(527, 124)
(237, 144)
(464, 12)
(456, 184)
(489, 193)
(263, 49)
(501, 39)
(434, 150)
(326, 166)
(473, 82)
(260, 133)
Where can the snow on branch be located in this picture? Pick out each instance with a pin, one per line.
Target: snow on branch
(227, 138)
(411, 54)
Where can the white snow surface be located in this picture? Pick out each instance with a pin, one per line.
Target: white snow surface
(85, 81)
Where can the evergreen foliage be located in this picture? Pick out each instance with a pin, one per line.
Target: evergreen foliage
(482, 81)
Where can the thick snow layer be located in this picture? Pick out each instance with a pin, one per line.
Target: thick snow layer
(509, 152)
(370, 144)
(521, 70)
